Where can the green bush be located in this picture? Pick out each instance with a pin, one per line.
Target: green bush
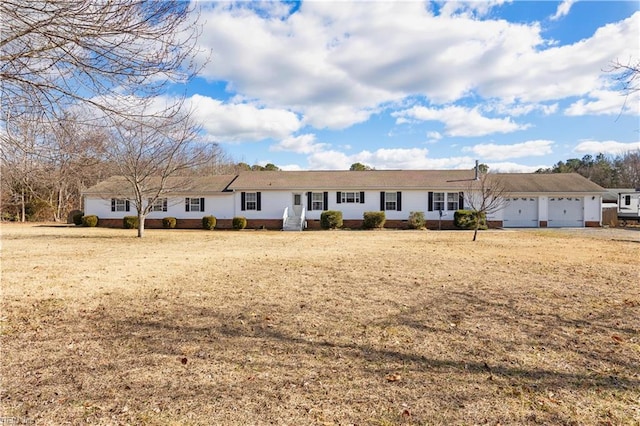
(466, 219)
(373, 220)
(331, 219)
(90, 221)
(77, 218)
(130, 222)
(417, 220)
(169, 222)
(239, 222)
(209, 222)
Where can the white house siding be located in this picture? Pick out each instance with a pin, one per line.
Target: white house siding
(220, 206)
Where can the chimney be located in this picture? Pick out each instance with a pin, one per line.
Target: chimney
(477, 171)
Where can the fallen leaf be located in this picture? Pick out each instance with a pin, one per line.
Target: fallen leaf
(394, 378)
(183, 361)
(618, 339)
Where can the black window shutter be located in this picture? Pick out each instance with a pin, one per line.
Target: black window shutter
(309, 206)
(399, 201)
(127, 206)
(113, 204)
(338, 197)
(326, 201)
(382, 201)
(164, 205)
(202, 204)
(242, 198)
(258, 201)
(361, 197)
(430, 206)
(461, 200)
(186, 204)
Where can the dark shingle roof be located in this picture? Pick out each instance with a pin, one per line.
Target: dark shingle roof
(175, 185)
(454, 180)
(548, 182)
(356, 180)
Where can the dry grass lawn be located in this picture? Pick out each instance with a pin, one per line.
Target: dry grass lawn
(337, 327)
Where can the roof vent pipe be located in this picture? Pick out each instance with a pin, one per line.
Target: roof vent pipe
(477, 171)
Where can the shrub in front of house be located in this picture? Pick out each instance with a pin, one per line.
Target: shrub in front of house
(416, 220)
(373, 220)
(169, 222)
(239, 222)
(130, 222)
(331, 219)
(77, 218)
(466, 219)
(90, 220)
(209, 222)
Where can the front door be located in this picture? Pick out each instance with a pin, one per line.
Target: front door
(297, 204)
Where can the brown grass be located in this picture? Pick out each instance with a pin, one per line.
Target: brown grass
(367, 328)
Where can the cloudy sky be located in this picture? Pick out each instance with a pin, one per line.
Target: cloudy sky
(517, 85)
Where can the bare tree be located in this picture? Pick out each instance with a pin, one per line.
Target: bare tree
(627, 75)
(64, 53)
(151, 156)
(484, 196)
(45, 165)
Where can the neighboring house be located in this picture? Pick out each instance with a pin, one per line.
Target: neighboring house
(629, 205)
(295, 199)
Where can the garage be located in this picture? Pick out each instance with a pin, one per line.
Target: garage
(521, 212)
(566, 212)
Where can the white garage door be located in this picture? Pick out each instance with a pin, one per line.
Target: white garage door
(565, 212)
(521, 212)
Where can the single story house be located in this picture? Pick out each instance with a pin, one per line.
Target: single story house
(296, 199)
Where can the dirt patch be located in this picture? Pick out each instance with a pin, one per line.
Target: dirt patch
(346, 327)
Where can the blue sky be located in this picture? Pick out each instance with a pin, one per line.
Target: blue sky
(416, 85)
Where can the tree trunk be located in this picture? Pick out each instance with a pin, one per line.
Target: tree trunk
(23, 213)
(477, 226)
(141, 219)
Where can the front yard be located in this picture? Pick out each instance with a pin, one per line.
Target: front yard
(327, 327)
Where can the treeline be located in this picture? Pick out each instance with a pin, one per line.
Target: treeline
(46, 166)
(622, 171)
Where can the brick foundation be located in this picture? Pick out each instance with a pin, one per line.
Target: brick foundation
(543, 224)
(590, 224)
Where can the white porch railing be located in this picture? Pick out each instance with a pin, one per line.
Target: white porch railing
(292, 222)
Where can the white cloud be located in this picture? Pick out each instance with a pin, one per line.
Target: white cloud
(519, 109)
(506, 167)
(493, 151)
(242, 122)
(459, 121)
(336, 64)
(303, 144)
(606, 147)
(563, 9)
(386, 159)
(606, 102)
(434, 136)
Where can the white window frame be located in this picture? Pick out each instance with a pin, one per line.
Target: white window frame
(251, 201)
(159, 205)
(390, 200)
(350, 197)
(194, 204)
(453, 199)
(120, 205)
(439, 201)
(317, 201)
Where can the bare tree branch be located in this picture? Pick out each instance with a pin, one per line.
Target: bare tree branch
(485, 196)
